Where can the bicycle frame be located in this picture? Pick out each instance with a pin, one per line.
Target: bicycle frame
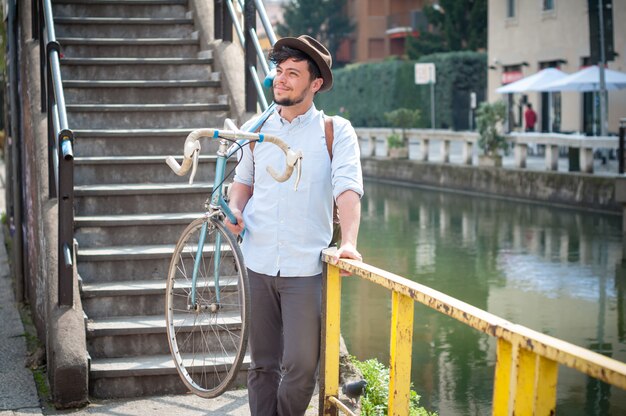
(219, 204)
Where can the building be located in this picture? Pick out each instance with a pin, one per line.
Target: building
(382, 28)
(527, 36)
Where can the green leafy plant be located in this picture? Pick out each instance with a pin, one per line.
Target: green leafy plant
(395, 141)
(376, 397)
(403, 118)
(489, 119)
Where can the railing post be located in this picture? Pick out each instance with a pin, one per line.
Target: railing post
(620, 150)
(249, 22)
(66, 224)
(223, 28)
(445, 151)
(400, 361)
(545, 388)
(331, 329)
(521, 152)
(502, 379)
(424, 155)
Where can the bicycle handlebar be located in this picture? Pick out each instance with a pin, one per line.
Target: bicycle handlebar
(191, 152)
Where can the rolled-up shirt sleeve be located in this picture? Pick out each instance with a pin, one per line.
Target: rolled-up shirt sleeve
(244, 173)
(346, 163)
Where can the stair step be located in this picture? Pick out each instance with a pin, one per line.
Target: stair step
(196, 83)
(140, 366)
(137, 92)
(139, 169)
(115, 27)
(154, 324)
(113, 230)
(141, 189)
(122, 2)
(122, 116)
(126, 108)
(127, 42)
(116, 8)
(125, 253)
(129, 199)
(136, 48)
(138, 142)
(135, 61)
(130, 297)
(122, 20)
(128, 160)
(138, 68)
(125, 288)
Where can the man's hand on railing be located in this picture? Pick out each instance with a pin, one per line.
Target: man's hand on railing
(346, 251)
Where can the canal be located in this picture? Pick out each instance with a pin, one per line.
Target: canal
(555, 270)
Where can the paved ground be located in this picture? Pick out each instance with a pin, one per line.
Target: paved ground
(18, 395)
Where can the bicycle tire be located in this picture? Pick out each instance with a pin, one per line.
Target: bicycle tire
(207, 342)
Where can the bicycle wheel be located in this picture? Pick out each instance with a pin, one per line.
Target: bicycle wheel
(208, 336)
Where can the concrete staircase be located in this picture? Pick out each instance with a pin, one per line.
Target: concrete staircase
(136, 83)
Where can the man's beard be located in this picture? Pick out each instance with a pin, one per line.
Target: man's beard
(287, 102)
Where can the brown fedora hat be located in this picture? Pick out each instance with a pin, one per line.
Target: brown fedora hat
(315, 51)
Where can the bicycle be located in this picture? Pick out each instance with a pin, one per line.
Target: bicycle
(207, 295)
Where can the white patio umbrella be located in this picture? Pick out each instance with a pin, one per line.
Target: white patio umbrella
(535, 82)
(588, 79)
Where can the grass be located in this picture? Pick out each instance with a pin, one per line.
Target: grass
(37, 358)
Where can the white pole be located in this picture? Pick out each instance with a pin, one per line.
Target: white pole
(603, 112)
(432, 105)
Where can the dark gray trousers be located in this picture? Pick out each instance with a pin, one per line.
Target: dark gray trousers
(284, 343)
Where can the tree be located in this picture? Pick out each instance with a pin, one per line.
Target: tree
(325, 20)
(457, 25)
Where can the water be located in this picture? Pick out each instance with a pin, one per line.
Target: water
(554, 270)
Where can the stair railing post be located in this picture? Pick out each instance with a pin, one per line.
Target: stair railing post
(249, 20)
(223, 27)
(66, 224)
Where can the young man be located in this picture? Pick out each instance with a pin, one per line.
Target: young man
(286, 230)
(530, 117)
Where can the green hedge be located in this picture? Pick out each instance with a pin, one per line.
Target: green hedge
(364, 92)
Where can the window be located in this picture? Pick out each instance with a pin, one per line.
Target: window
(376, 48)
(510, 8)
(548, 5)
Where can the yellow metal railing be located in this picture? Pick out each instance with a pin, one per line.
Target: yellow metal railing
(527, 363)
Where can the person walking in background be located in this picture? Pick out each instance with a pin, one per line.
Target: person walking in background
(286, 231)
(530, 117)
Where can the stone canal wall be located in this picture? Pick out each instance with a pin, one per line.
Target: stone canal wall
(576, 190)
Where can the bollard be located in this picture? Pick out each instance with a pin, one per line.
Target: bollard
(620, 150)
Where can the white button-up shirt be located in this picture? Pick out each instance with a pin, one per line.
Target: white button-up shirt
(286, 230)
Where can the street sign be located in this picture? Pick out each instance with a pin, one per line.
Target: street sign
(425, 74)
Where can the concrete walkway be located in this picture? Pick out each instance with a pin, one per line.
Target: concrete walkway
(18, 394)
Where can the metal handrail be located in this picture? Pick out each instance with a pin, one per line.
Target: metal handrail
(526, 370)
(246, 33)
(60, 141)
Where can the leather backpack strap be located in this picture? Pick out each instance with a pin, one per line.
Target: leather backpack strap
(329, 132)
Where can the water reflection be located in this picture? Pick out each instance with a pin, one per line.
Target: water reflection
(551, 269)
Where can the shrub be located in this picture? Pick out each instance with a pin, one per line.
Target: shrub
(369, 90)
(403, 118)
(489, 118)
(374, 401)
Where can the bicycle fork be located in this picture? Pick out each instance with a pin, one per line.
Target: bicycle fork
(214, 307)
